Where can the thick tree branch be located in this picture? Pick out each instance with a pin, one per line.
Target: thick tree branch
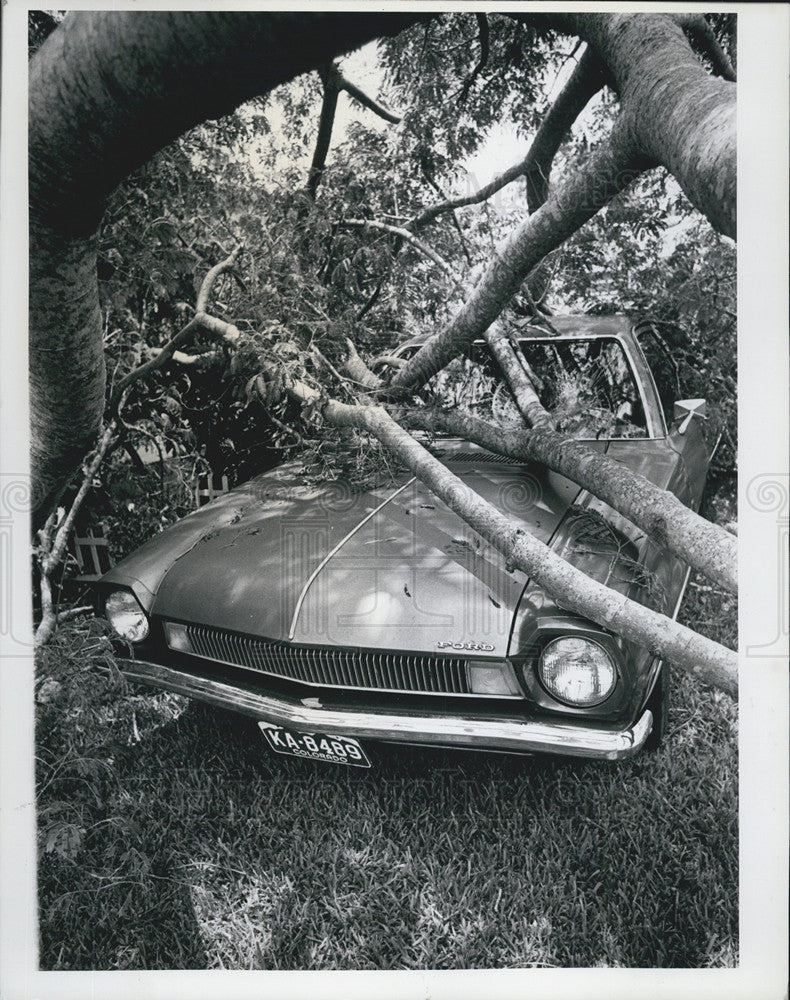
(372, 298)
(610, 609)
(587, 79)
(326, 122)
(703, 545)
(610, 169)
(512, 363)
(700, 32)
(358, 370)
(207, 285)
(334, 82)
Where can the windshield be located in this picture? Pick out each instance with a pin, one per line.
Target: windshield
(586, 384)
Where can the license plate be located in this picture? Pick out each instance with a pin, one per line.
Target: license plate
(315, 746)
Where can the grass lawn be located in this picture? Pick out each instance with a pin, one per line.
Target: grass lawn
(170, 837)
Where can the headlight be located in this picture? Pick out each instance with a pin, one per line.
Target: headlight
(577, 671)
(126, 616)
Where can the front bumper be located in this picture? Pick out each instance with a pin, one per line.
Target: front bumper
(434, 729)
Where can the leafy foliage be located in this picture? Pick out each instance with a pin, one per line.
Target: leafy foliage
(428, 67)
(306, 281)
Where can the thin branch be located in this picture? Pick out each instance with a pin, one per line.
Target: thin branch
(298, 439)
(373, 298)
(65, 616)
(700, 32)
(403, 234)
(52, 559)
(165, 353)
(367, 102)
(53, 550)
(485, 37)
(427, 174)
(586, 80)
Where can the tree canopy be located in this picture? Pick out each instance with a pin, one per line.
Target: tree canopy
(328, 254)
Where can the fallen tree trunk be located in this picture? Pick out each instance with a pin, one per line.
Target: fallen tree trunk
(706, 659)
(705, 546)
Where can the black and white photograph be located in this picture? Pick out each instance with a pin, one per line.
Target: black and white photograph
(394, 500)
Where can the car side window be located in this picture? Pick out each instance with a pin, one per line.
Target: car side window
(587, 385)
(664, 369)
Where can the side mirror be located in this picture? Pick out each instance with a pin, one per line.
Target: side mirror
(686, 409)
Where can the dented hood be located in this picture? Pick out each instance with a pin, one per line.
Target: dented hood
(393, 568)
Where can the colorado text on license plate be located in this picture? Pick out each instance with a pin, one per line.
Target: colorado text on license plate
(316, 746)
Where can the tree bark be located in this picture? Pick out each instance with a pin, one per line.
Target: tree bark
(678, 115)
(106, 91)
(403, 234)
(706, 659)
(611, 168)
(703, 545)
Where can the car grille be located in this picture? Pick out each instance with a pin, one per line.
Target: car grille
(330, 667)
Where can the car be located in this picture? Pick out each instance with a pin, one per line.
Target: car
(339, 617)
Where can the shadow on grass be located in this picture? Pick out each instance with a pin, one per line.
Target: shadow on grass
(225, 855)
